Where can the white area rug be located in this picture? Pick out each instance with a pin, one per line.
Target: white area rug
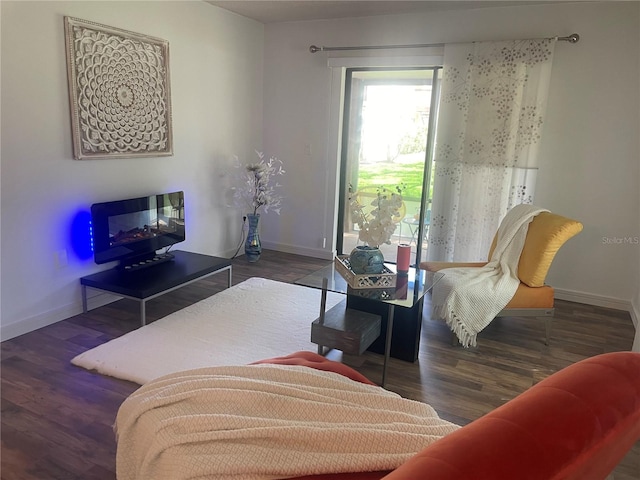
(253, 320)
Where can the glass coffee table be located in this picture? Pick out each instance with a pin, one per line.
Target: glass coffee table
(401, 307)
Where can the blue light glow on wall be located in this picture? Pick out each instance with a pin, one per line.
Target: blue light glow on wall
(82, 235)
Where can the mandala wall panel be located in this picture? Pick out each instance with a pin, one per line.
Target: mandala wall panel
(119, 92)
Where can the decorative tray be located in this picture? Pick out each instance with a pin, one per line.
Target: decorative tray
(386, 279)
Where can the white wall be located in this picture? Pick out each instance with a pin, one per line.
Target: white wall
(590, 165)
(216, 85)
(590, 153)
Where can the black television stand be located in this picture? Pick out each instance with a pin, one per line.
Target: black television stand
(147, 284)
(145, 261)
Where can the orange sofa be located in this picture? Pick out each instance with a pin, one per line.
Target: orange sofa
(576, 424)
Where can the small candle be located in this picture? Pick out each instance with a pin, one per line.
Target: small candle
(404, 257)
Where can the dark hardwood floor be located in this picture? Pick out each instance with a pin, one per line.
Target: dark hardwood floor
(57, 418)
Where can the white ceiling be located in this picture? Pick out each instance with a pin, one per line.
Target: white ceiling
(270, 11)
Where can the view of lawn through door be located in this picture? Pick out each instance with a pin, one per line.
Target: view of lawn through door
(385, 143)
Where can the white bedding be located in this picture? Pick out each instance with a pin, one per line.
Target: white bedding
(262, 422)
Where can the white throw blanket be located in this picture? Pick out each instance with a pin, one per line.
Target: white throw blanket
(469, 298)
(267, 422)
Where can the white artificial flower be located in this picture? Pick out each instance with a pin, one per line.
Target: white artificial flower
(259, 188)
(377, 226)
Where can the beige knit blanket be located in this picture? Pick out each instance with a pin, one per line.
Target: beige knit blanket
(469, 298)
(267, 422)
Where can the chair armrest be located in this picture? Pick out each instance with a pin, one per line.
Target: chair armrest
(437, 266)
(575, 425)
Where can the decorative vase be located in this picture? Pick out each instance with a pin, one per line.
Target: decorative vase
(252, 247)
(366, 260)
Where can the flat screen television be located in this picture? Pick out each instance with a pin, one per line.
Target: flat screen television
(132, 231)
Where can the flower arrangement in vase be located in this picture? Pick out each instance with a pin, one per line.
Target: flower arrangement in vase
(258, 190)
(376, 226)
(259, 185)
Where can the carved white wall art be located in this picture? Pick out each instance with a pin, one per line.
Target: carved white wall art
(119, 92)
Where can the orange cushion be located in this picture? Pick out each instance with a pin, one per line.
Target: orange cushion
(532, 297)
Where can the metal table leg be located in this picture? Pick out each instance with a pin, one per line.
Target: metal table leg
(84, 299)
(387, 346)
(143, 312)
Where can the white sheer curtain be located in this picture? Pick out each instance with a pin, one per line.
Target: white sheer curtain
(491, 114)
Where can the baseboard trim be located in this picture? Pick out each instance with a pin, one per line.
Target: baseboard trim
(30, 324)
(304, 251)
(98, 299)
(561, 294)
(601, 301)
(593, 299)
(635, 315)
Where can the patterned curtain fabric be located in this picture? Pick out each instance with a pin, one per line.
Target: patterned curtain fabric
(491, 115)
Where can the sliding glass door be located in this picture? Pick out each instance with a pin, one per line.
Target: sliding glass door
(387, 141)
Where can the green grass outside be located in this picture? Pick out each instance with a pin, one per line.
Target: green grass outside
(389, 175)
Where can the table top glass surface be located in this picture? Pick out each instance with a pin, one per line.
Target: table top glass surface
(409, 289)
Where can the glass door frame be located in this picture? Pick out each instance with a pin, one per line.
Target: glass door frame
(344, 150)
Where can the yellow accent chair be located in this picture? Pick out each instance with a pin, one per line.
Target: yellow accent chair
(547, 232)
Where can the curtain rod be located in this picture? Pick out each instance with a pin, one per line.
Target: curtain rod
(573, 38)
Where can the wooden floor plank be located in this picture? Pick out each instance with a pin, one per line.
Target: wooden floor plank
(57, 418)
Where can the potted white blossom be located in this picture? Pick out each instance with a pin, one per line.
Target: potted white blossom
(258, 190)
(376, 226)
(259, 184)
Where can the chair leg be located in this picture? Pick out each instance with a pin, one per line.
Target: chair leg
(547, 329)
